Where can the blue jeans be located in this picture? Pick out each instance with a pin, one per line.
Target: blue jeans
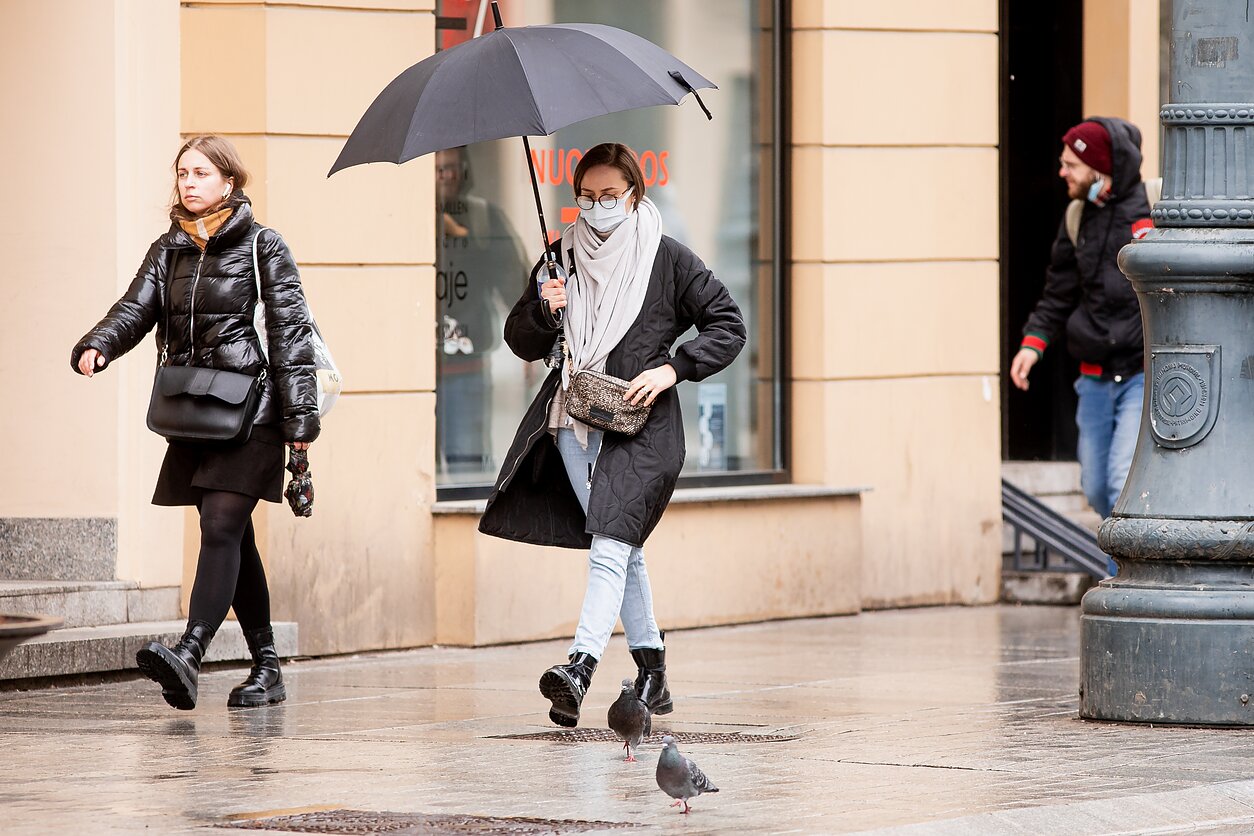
(1109, 418)
(618, 583)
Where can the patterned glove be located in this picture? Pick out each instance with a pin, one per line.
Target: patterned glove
(300, 491)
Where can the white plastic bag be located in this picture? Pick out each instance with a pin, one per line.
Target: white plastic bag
(330, 381)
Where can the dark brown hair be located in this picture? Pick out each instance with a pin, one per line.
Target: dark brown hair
(616, 155)
(224, 157)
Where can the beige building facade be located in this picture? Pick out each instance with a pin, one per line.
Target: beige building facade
(889, 388)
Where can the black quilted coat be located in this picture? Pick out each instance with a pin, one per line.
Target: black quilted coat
(635, 475)
(208, 302)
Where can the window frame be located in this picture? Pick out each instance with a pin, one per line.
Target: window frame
(780, 170)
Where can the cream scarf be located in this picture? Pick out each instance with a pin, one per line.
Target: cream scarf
(607, 291)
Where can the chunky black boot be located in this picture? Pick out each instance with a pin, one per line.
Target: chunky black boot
(651, 679)
(264, 684)
(565, 687)
(176, 668)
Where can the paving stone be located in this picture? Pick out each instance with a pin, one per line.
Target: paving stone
(946, 720)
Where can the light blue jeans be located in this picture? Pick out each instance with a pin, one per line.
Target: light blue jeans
(618, 583)
(1109, 418)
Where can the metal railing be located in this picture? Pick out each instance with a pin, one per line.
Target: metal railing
(1058, 543)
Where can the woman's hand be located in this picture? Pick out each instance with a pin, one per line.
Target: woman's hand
(649, 383)
(90, 360)
(300, 445)
(554, 292)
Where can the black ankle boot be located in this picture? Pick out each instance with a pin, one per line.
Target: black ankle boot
(264, 684)
(651, 679)
(565, 687)
(176, 668)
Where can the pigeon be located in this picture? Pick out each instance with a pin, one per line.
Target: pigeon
(629, 719)
(679, 777)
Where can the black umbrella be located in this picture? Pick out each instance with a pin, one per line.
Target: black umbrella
(521, 81)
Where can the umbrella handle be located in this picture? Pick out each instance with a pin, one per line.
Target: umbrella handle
(683, 82)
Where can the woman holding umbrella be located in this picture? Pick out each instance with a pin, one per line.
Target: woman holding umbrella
(197, 288)
(632, 292)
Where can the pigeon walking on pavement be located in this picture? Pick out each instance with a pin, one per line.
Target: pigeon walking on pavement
(679, 777)
(629, 719)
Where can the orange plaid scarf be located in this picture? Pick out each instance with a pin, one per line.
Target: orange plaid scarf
(204, 228)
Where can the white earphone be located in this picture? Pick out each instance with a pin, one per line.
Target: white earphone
(226, 191)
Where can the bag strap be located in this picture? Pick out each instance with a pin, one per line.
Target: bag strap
(1072, 220)
(256, 267)
(167, 303)
(265, 349)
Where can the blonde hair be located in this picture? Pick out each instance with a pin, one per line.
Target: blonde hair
(222, 154)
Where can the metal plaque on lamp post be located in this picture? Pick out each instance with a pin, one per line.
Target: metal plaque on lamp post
(1170, 639)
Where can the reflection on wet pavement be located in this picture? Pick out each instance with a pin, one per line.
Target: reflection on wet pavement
(944, 720)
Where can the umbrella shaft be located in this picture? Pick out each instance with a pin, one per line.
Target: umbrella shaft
(544, 227)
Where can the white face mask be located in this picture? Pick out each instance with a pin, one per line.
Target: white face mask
(606, 220)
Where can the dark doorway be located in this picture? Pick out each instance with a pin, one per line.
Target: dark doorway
(1042, 63)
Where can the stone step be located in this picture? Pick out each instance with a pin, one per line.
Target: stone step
(1067, 504)
(1051, 587)
(80, 650)
(1043, 478)
(90, 603)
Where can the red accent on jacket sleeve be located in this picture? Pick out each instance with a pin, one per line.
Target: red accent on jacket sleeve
(1035, 343)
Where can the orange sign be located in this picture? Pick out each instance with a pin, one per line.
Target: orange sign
(557, 167)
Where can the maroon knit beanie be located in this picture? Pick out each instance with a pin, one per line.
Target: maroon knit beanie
(1091, 143)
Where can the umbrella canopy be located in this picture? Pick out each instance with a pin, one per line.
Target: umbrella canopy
(521, 81)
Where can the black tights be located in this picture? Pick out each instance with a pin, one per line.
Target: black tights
(229, 572)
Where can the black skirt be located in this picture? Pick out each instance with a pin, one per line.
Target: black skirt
(254, 468)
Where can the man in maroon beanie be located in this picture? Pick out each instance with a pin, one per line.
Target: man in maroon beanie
(1087, 295)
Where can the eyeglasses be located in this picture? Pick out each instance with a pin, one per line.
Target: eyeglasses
(607, 201)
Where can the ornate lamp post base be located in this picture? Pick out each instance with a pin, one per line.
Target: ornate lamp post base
(1171, 639)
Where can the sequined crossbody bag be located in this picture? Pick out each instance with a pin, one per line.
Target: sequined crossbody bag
(596, 398)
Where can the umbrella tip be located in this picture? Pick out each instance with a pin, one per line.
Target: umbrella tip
(496, 15)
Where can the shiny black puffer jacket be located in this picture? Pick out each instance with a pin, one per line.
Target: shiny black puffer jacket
(206, 301)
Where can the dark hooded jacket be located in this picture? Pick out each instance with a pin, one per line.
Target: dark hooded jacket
(1085, 291)
(634, 476)
(203, 305)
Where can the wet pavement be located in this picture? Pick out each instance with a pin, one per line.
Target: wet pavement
(948, 721)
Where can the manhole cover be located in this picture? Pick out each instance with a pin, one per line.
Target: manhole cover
(682, 738)
(358, 822)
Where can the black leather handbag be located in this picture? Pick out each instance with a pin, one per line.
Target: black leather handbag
(190, 403)
(195, 404)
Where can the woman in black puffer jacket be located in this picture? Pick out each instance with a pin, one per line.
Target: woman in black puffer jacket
(197, 288)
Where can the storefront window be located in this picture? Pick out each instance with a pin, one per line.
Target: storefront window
(712, 182)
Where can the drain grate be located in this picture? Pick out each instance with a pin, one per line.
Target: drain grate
(682, 738)
(361, 823)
